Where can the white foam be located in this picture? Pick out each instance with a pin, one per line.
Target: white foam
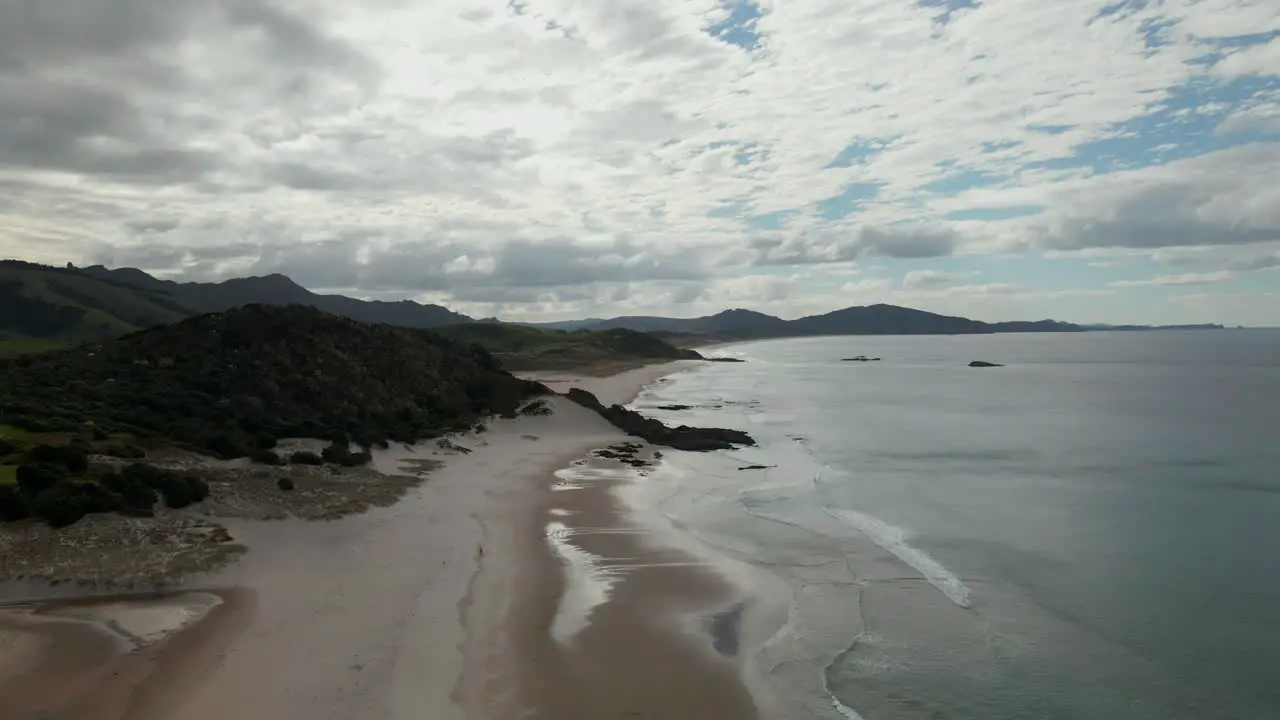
(894, 539)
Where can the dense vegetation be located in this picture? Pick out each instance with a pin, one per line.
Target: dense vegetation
(55, 484)
(524, 347)
(231, 383)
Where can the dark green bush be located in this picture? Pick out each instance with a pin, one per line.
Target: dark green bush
(7, 448)
(134, 492)
(98, 499)
(176, 492)
(14, 505)
(75, 458)
(265, 457)
(336, 453)
(306, 457)
(35, 479)
(356, 459)
(265, 442)
(60, 505)
(199, 488)
(285, 483)
(223, 445)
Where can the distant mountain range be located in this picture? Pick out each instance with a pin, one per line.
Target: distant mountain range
(865, 320)
(94, 303)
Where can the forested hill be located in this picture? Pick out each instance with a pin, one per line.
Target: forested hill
(229, 382)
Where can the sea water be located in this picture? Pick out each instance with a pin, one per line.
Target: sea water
(1090, 531)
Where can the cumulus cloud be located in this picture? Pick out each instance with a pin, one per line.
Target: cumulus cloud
(597, 155)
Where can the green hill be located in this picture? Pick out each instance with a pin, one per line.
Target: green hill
(231, 382)
(60, 305)
(521, 347)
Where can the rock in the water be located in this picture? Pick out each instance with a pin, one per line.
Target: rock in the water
(984, 363)
(680, 438)
(674, 407)
(757, 467)
(860, 358)
(723, 359)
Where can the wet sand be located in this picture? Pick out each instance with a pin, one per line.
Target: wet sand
(613, 623)
(450, 604)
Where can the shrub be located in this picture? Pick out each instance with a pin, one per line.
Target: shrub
(223, 445)
(14, 505)
(285, 483)
(357, 459)
(336, 453)
(60, 505)
(265, 442)
(75, 458)
(306, 457)
(199, 488)
(134, 493)
(35, 479)
(7, 448)
(175, 491)
(141, 472)
(265, 457)
(98, 499)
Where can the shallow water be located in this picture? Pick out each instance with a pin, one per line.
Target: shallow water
(1083, 533)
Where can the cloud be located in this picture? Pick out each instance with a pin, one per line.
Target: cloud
(932, 278)
(1208, 278)
(598, 155)
(1261, 59)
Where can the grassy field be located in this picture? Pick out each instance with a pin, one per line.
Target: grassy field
(8, 474)
(26, 346)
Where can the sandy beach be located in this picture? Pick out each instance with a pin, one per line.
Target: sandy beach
(514, 582)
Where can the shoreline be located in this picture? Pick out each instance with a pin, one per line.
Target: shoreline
(442, 604)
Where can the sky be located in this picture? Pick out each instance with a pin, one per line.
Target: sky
(1084, 160)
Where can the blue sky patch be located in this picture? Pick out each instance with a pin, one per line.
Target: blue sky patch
(740, 27)
(847, 201)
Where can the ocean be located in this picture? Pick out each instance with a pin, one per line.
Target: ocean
(1091, 531)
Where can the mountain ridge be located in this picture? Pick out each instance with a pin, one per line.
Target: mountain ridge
(164, 301)
(278, 290)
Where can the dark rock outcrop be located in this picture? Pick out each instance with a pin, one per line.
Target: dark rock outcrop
(860, 358)
(723, 359)
(984, 363)
(680, 438)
